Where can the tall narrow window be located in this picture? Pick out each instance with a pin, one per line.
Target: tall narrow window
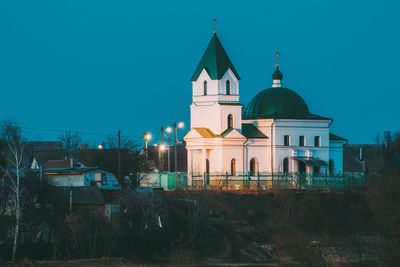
(233, 167)
(285, 165)
(230, 121)
(253, 166)
(302, 140)
(286, 140)
(302, 166)
(205, 87)
(317, 141)
(228, 87)
(317, 170)
(331, 166)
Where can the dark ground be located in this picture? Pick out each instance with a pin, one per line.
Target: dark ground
(282, 228)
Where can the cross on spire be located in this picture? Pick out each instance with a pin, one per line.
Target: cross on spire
(277, 59)
(215, 25)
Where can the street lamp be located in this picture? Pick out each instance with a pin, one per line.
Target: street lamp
(168, 130)
(147, 137)
(162, 147)
(176, 126)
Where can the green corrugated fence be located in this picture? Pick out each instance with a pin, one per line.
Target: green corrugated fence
(253, 181)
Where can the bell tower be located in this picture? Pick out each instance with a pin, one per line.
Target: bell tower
(215, 84)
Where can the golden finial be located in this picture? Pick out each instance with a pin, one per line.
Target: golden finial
(277, 59)
(215, 25)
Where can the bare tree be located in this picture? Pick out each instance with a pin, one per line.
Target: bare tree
(126, 142)
(12, 135)
(71, 142)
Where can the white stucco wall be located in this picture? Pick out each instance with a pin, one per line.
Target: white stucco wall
(215, 116)
(215, 87)
(206, 110)
(67, 180)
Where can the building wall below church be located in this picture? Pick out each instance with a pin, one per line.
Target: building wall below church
(336, 155)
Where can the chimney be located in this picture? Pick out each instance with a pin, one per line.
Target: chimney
(72, 162)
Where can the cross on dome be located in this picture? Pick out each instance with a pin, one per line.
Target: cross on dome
(277, 59)
(277, 76)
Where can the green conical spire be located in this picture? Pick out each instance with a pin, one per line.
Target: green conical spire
(215, 61)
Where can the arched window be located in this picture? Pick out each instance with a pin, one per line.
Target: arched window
(253, 166)
(230, 121)
(233, 167)
(285, 165)
(228, 87)
(331, 166)
(205, 87)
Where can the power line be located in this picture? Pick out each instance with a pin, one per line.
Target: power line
(82, 133)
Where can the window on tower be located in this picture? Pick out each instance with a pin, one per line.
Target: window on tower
(230, 121)
(205, 87)
(228, 87)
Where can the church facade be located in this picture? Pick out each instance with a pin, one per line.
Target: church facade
(274, 133)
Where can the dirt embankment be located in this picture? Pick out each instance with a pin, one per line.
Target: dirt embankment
(285, 227)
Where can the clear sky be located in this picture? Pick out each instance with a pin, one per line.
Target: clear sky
(102, 66)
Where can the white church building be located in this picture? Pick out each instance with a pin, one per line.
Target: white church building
(274, 133)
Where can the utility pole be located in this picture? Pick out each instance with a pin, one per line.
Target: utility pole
(119, 156)
(162, 149)
(176, 156)
(169, 153)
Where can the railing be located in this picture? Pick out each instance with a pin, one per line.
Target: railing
(260, 181)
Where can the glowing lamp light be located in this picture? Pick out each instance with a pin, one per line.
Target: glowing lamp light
(100, 147)
(181, 125)
(147, 136)
(162, 147)
(168, 130)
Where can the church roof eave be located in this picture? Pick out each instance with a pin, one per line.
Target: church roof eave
(251, 132)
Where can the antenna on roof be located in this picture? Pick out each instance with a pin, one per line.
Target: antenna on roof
(215, 25)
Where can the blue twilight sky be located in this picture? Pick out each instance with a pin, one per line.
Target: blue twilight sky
(101, 66)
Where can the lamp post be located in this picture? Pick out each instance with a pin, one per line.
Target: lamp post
(162, 147)
(169, 155)
(169, 130)
(147, 137)
(176, 126)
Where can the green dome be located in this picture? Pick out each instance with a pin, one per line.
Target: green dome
(276, 103)
(277, 75)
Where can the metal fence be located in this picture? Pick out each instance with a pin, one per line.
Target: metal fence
(258, 181)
